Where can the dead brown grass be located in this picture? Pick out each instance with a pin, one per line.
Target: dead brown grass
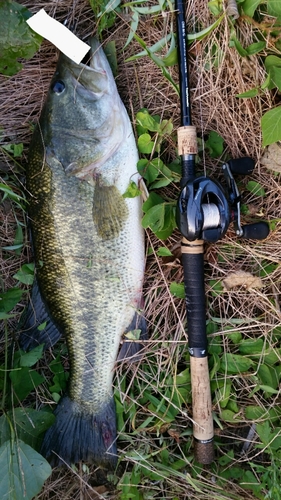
(215, 107)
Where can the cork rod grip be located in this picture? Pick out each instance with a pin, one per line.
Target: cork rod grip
(203, 428)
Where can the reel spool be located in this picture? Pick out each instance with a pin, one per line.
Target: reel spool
(204, 212)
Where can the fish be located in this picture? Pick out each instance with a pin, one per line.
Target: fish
(88, 246)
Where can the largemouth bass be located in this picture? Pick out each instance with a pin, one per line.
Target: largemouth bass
(88, 248)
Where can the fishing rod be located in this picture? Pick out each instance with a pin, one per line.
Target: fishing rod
(204, 212)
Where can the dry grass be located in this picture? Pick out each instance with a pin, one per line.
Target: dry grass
(214, 107)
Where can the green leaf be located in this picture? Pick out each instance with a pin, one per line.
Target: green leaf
(249, 6)
(158, 46)
(215, 144)
(164, 252)
(24, 381)
(255, 188)
(25, 274)
(161, 220)
(145, 144)
(260, 413)
(177, 289)
(240, 49)
(133, 334)
(215, 7)
(274, 8)
(14, 149)
(251, 346)
(17, 39)
(235, 337)
(255, 48)
(30, 358)
(147, 121)
(205, 32)
(152, 200)
(234, 363)
(149, 170)
(111, 54)
(249, 93)
(132, 191)
(133, 26)
(271, 126)
(29, 425)
(23, 471)
(9, 299)
(229, 416)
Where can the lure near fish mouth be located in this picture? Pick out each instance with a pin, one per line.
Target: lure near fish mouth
(88, 247)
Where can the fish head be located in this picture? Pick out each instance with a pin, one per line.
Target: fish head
(84, 121)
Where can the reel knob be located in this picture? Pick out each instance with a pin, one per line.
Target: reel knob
(241, 166)
(256, 231)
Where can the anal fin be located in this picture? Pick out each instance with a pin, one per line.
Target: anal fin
(131, 349)
(36, 326)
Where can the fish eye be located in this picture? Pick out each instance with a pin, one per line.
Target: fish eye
(58, 87)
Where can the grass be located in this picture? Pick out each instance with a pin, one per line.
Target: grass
(244, 323)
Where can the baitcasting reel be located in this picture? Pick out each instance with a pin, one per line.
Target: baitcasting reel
(204, 212)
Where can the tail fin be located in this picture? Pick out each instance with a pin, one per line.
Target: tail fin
(79, 435)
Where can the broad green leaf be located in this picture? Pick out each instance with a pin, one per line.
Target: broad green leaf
(132, 191)
(177, 289)
(147, 121)
(249, 6)
(271, 126)
(149, 169)
(29, 425)
(229, 416)
(17, 39)
(25, 274)
(271, 61)
(215, 144)
(275, 77)
(24, 381)
(30, 358)
(260, 413)
(9, 299)
(235, 337)
(251, 346)
(274, 8)
(160, 218)
(152, 200)
(249, 93)
(145, 144)
(223, 393)
(14, 149)
(235, 363)
(23, 471)
(255, 48)
(215, 7)
(164, 252)
(255, 188)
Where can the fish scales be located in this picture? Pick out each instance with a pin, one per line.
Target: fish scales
(88, 248)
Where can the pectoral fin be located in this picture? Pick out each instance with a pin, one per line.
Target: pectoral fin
(110, 211)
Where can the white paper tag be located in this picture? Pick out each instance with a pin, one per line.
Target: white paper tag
(59, 35)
